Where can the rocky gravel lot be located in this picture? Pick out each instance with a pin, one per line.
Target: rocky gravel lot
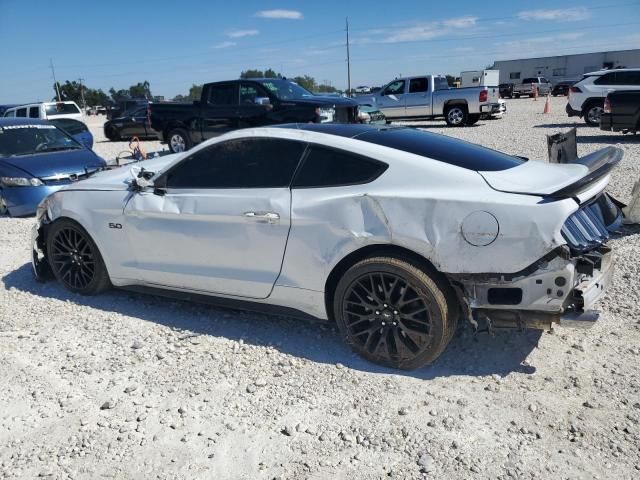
(124, 385)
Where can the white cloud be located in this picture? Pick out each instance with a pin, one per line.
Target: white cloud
(226, 44)
(423, 31)
(286, 14)
(560, 15)
(462, 22)
(537, 43)
(242, 33)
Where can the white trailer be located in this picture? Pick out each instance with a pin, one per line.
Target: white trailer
(480, 78)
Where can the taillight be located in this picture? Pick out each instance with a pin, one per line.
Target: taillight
(575, 90)
(607, 105)
(484, 94)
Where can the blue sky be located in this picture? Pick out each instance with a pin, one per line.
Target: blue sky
(174, 44)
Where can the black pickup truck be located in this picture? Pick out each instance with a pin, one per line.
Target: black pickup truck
(621, 112)
(230, 105)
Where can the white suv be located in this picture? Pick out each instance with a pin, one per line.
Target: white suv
(586, 97)
(46, 111)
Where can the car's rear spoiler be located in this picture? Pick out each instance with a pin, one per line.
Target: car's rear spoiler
(599, 164)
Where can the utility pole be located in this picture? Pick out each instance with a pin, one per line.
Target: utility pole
(348, 62)
(55, 82)
(84, 105)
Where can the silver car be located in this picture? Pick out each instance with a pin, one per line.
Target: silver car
(393, 233)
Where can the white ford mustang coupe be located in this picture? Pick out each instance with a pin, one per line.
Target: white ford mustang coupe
(393, 233)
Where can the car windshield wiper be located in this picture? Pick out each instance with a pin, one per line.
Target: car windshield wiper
(56, 149)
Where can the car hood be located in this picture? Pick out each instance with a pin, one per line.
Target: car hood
(320, 100)
(555, 179)
(120, 177)
(51, 164)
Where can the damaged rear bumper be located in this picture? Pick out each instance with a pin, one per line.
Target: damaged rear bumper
(560, 290)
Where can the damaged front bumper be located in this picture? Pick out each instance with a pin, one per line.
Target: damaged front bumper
(559, 289)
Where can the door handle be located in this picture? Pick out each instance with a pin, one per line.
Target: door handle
(270, 217)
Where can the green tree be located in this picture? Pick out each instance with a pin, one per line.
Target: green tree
(141, 90)
(74, 91)
(323, 87)
(252, 73)
(307, 82)
(118, 95)
(195, 92)
(271, 73)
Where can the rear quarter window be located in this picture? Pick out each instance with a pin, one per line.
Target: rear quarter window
(328, 167)
(61, 109)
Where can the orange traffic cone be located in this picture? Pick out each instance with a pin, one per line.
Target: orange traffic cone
(534, 89)
(547, 104)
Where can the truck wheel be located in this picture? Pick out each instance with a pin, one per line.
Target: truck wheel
(592, 113)
(393, 313)
(112, 134)
(456, 115)
(473, 119)
(178, 140)
(516, 95)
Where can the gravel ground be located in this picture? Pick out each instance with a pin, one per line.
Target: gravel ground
(130, 386)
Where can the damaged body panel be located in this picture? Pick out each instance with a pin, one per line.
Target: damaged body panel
(521, 243)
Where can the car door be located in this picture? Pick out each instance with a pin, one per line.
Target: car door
(391, 99)
(253, 109)
(418, 99)
(133, 123)
(222, 221)
(220, 111)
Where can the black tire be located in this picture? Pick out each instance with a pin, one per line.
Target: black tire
(178, 140)
(473, 119)
(112, 134)
(592, 112)
(75, 259)
(414, 327)
(456, 115)
(516, 95)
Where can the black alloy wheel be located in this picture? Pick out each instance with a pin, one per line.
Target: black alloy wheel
(393, 313)
(75, 259)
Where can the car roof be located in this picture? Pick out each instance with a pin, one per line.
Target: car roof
(8, 121)
(608, 70)
(425, 144)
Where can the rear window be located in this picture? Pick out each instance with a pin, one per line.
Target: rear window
(442, 148)
(530, 80)
(34, 112)
(69, 125)
(21, 112)
(61, 109)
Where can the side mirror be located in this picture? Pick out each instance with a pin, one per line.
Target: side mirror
(262, 101)
(141, 178)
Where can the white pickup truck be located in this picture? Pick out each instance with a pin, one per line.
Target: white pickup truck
(429, 96)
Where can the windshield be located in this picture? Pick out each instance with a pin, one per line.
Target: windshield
(61, 108)
(27, 139)
(285, 89)
(69, 125)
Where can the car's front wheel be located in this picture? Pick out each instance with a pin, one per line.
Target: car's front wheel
(74, 258)
(178, 140)
(592, 114)
(393, 313)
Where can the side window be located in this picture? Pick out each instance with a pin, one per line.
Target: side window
(606, 79)
(417, 85)
(34, 112)
(223, 95)
(21, 112)
(242, 163)
(12, 113)
(249, 93)
(326, 167)
(628, 78)
(394, 88)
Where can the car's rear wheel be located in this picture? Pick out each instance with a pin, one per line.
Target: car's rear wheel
(75, 259)
(178, 140)
(456, 115)
(393, 313)
(592, 113)
(112, 134)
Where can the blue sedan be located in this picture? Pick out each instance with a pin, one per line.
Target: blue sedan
(37, 159)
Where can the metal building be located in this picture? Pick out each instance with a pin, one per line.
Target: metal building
(564, 67)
